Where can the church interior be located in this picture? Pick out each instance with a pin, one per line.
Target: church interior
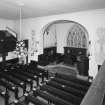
(52, 52)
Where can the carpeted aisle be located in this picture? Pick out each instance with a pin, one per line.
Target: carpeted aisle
(60, 68)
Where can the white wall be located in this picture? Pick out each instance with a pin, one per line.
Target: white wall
(57, 33)
(62, 32)
(11, 24)
(91, 20)
(50, 37)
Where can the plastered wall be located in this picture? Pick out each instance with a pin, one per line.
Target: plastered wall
(92, 20)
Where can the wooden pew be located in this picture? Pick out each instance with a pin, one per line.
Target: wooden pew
(22, 78)
(18, 102)
(10, 87)
(50, 98)
(14, 81)
(61, 94)
(39, 74)
(34, 100)
(65, 88)
(5, 96)
(28, 75)
(36, 71)
(44, 72)
(73, 79)
(70, 84)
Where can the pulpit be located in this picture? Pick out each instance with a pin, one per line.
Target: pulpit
(77, 56)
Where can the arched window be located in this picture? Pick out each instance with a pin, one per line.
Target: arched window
(77, 37)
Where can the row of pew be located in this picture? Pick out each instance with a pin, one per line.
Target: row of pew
(19, 79)
(58, 90)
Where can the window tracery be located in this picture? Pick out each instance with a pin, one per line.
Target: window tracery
(76, 37)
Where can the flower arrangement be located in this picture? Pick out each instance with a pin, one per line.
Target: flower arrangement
(21, 50)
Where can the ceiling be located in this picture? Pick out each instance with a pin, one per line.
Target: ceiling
(9, 9)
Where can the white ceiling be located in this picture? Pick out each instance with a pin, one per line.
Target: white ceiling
(9, 9)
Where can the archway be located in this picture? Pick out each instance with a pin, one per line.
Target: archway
(65, 33)
(74, 27)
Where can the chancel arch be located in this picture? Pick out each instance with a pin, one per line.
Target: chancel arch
(73, 34)
(67, 38)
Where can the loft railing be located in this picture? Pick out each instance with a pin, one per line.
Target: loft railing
(11, 31)
(96, 92)
(103, 103)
